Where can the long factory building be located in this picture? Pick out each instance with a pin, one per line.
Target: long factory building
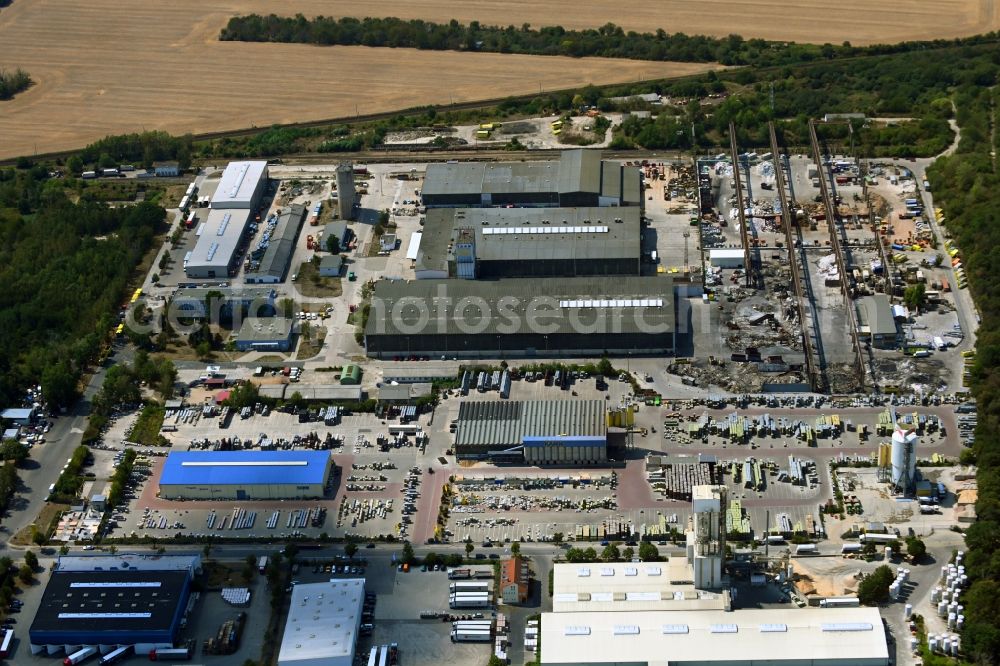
(489, 243)
(539, 432)
(673, 614)
(751, 637)
(109, 601)
(579, 178)
(245, 475)
(223, 234)
(522, 317)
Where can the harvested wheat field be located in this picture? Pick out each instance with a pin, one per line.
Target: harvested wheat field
(106, 68)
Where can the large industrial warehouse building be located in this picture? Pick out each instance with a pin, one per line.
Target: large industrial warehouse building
(541, 432)
(529, 242)
(216, 252)
(323, 623)
(579, 178)
(245, 475)
(521, 317)
(243, 185)
(659, 614)
(107, 601)
(752, 637)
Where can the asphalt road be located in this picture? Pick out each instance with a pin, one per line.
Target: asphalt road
(44, 465)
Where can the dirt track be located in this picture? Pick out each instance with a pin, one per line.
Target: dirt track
(103, 67)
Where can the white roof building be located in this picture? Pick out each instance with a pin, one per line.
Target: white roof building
(241, 186)
(624, 586)
(219, 237)
(753, 637)
(323, 624)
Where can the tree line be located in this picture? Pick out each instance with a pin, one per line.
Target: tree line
(14, 82)
(966, 186)
(917, 85)
(607, 41)
(64, 267)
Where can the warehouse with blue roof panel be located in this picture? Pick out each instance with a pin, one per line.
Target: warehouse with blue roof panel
(245, 475)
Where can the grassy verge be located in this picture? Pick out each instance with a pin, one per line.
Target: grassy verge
(45, 522)
(147, 427)
(311, 346)
(312, 285)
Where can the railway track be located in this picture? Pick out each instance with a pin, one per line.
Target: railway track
(816, 379)
(833, 224)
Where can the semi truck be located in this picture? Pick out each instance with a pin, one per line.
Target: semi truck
(116, 655)
(471, 636)
(840, 602)
(170, 654)
(77, 657)
(5, 642)
(469, 600)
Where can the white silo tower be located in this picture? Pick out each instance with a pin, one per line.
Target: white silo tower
(904, 460)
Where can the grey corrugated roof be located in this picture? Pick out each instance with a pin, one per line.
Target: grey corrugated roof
(332, 262)
(876, 312)
(580, 171)
(245, 294)
(622, 239)
(279, 252)
(611, 179)
(506, 306)
(505, 423)
(521, 177)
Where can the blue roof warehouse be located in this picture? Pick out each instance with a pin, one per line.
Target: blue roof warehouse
(245, 475)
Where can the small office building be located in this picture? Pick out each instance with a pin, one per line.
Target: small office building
(265, 334)
(876, 322)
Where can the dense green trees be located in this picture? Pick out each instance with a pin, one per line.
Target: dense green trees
(966, 186)
(648, 552)
(11, 449)
(874, 589)
(120, 477)
(8, 484)
(14, 82)
(609, 40)
(916, 85)
(64, 267)
(141, 148)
